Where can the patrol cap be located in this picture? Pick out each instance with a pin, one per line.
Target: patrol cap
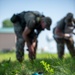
(69, 17)
(48, 22)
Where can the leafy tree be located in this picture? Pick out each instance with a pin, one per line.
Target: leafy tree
(7, 23)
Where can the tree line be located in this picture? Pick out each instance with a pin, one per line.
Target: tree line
(7, 23)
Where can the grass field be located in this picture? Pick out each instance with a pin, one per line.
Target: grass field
(47, 63)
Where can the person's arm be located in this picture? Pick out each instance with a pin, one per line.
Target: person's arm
(62, 35)
(58, 32)
(25, 35)
(27, 39)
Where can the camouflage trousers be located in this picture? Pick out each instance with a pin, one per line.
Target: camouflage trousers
(61, 46)
(19, 42)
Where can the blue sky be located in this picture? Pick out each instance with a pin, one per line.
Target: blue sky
(56, 9)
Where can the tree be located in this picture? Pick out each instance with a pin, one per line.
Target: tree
(7, 23)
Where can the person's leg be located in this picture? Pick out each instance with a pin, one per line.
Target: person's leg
(60, 47)
(20, 49)
(19, 42)
(70, 45)
(60, 50)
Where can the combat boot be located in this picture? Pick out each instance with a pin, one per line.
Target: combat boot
(20, 55)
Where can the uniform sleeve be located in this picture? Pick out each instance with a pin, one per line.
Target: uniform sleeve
(30, 20)
(61, 24)
(31, 24)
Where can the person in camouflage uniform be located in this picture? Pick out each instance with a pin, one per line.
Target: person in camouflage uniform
(63, 35)
(27, 26)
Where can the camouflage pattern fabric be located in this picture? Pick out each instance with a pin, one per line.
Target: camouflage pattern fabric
(60, 46)
(19, 42)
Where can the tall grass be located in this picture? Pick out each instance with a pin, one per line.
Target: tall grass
(47, 63)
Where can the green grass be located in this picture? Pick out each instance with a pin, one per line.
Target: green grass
(47, 63)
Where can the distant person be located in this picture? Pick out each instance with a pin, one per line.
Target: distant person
(63, 35)
(27, 26)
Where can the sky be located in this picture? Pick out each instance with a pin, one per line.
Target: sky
(56, 9)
